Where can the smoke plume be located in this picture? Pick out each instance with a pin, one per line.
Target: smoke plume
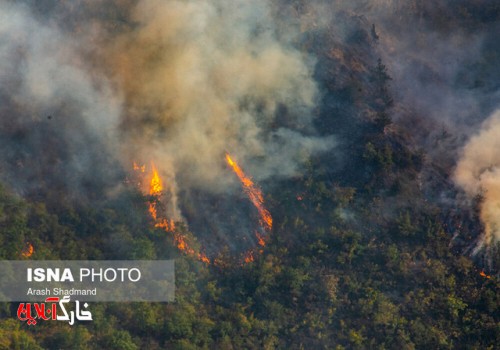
(478, 173)
(200, 78)
(88, 88)
(442, 57)
(177, 82)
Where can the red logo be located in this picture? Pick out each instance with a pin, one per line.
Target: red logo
(31, 312)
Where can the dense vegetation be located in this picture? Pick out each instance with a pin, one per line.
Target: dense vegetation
(360, 255)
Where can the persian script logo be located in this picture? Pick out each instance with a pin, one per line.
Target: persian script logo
(25, 311)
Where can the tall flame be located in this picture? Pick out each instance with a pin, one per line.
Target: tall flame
(155, 188)
(253, 193)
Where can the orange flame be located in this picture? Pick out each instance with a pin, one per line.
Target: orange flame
(253, 193)
(155, 188)
(183, 245)
(248, 258)
(28, 250)
(483, 274)
(260, 239)
(141, 168)
(204, 258)
(152, 210)
(167, 225)
(181, 241)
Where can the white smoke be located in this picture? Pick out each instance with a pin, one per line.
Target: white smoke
(478, 173)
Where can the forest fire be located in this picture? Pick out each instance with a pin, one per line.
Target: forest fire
(156, 189)
(253, 192)
(168, 225)
(326, 174)
(28, 250)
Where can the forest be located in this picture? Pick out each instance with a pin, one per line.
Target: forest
(374, 243)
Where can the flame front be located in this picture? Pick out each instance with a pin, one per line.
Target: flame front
(181, 241)
(168, 225)
(253, 193)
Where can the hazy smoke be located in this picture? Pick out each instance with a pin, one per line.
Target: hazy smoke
(89, 87)
(446, 80)
(478, 173)
(85, 85)
(55, 116)
(443, 60)
(201, 78)
(177, 82)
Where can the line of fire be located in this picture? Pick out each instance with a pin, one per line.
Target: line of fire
(157, 215)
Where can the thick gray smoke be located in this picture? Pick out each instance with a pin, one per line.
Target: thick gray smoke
(88, 88)
(201, 78)
(179, 83)
(175, 82)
